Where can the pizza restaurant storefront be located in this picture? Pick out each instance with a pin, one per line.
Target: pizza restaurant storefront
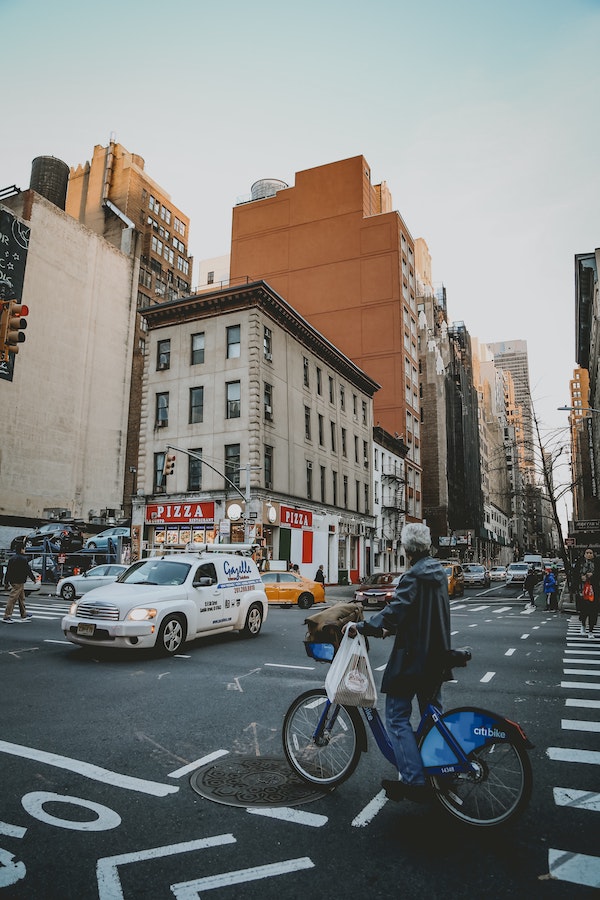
(178, 524)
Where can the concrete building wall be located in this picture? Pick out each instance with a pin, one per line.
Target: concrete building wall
(64, 414)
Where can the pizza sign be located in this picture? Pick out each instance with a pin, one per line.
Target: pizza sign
(179, 513)
(297, 518)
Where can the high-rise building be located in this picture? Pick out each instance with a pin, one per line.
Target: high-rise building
(512, 356)
(113, 196)
(335, 249)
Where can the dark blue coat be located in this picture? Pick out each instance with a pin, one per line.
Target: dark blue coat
(419, 617)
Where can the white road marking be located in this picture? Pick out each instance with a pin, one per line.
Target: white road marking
(568, 754)
(106, 819)
(579, 725)
(15, 831)
(380, 668)
(68, 643)
(97, 773)
(576, 868)
(584, 704)
(592, 651)
(458, 606)
(524, 637)
(487, 677)
(479, 608)
(473, 626)
(190, 890)
(452, 633)
(577, 799)
(577, 685)
(197, 763)
(574, 660)
(503, 609)
(510, 652)
(286, 814)
(283, 666)
(581, 672)
(109, 883)
(370, 811)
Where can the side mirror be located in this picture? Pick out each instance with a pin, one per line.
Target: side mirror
(204, 581)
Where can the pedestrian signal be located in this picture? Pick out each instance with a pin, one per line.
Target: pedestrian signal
(15, 326)
(169, 465)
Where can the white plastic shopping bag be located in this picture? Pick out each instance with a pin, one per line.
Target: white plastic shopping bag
(350, 680)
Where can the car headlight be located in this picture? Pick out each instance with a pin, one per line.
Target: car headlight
(73, 608)
(359, 595)
(141, 613)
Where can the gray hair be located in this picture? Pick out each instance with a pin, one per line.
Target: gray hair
(416, 538)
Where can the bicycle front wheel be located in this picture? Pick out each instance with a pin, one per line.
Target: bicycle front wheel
(321, 740)
(496, 793)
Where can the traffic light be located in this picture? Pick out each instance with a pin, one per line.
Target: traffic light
(14, 324)
(169, 465)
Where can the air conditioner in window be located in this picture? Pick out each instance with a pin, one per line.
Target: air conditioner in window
(163, 363)
(268, 411)
(162, 423)
(309, 465)
(269, 356)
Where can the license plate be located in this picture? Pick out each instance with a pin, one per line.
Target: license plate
(373, 600)
(85, 630)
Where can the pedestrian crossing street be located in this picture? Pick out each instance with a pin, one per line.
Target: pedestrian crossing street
(41, 608)
(581, 690)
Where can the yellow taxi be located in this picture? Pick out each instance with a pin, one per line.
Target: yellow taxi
(289, 589)
(456, 578)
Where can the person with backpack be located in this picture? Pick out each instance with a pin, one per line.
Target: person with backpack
(588, 600)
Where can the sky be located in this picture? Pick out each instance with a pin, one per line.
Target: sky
(482, 118)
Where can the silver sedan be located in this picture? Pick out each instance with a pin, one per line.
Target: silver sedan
(76, 585)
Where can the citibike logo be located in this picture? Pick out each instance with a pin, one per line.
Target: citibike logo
(486, 731)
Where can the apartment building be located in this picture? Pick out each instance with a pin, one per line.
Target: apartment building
(114, 196)
(389, 501)
(333, 246)
(280, 425)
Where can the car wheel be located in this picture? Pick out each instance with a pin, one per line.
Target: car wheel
(171, 635)
(67, 592)
(92, 545)
(305, 601)
(254, 621)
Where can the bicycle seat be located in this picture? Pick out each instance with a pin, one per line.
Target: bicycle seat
(458, 658)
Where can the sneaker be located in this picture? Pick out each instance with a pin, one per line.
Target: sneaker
(27, 618)
(9, 621)
(590, 636)
(394, 790)
(582, 631)
(399, 790)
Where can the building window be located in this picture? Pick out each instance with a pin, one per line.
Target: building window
(345, 492)
(232, 464)
(197, 348)
(365, 455)
(196, 405)
(162, 410)
(354, 405)
(159, 464)
(268, 466)
(305, 372)
(183, 265)
(319, 382)
(163, 355)
(342, 397)
(366, 499)
(307, 423)
(331, 390)
(210, 278)
(321, 430)
(234, 395)
(364, 413)
(154, 204)
(268, 344)
(323, 476)
(332, 425)
(309, 471)
(268, 401)
(355, 449)
(344, 446)
(157, 245)
(334, 487)
(195, 471)
(234, 342)
(358, 496)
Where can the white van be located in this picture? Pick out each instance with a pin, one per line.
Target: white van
(535, 560)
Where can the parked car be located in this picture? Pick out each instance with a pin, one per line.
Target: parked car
(162, 602)
(288, 588)
(456, 578)
(377, 589)
(516, 573)
(76, 585)
(62, 535)
(100, 541)
(50, 569)
(498, 573)
(475, 574)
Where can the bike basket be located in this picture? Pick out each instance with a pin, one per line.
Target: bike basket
(320, 652)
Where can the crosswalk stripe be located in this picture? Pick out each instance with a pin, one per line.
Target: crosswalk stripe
(577, 799)
(584, 704)
(580, 685)
(581, 672)
(572, 755)
(579, 725)
(577, 868)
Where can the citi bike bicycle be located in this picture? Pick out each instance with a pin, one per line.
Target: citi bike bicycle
(475, 761)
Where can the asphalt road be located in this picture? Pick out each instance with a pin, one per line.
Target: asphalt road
(99, 753)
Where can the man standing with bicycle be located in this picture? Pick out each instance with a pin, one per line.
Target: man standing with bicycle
(419, 619)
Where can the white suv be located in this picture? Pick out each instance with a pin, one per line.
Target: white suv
(165, 601)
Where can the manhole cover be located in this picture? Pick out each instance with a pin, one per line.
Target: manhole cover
(253, 781)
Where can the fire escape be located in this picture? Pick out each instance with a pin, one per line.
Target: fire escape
(392, 504)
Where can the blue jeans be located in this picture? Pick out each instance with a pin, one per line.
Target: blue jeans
(404, 743)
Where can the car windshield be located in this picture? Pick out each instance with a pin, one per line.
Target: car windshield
(155, 571)
(476, 569)
(518, 567)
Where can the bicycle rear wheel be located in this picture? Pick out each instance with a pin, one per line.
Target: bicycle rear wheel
(497, 793)
(322, 752)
